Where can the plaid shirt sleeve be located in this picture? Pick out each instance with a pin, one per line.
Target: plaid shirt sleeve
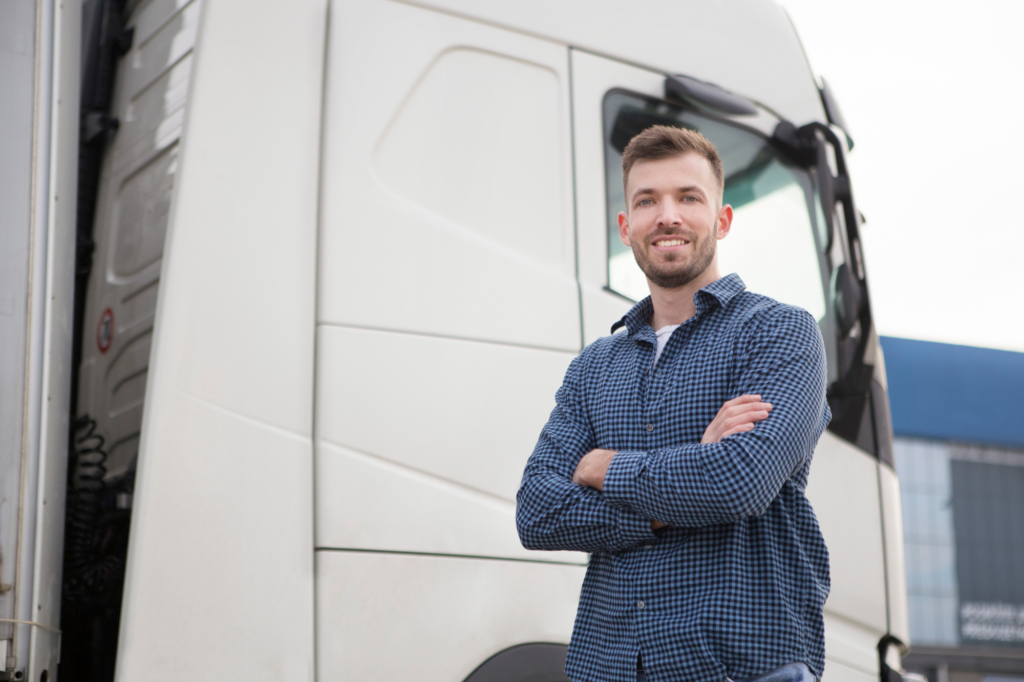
(701, 485)
(552, 512)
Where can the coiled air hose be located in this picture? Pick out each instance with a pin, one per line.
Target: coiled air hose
(88, 570)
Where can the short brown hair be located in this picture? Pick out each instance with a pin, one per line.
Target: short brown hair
(662, 142)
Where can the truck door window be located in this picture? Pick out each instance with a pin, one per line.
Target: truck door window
(778, 238)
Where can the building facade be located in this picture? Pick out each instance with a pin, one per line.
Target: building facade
(958, 419)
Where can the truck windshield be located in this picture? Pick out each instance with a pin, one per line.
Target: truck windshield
(779, 238)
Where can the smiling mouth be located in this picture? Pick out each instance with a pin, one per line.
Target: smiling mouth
(671, 242)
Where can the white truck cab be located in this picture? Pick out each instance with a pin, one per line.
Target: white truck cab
(288, 299)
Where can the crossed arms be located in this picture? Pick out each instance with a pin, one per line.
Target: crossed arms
(735, 472)
(736, 416)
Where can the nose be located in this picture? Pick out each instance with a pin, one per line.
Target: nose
(669, 215)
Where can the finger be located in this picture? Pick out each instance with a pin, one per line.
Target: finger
(754, 415)
(734, 415)
(749, 418)
(741, 428)
(744, 409)
(726, 432)
(740, 405)
(751, 407)
(741, 400)
(741, 410)
(749, 398)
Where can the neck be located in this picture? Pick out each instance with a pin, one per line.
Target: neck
(675, 306)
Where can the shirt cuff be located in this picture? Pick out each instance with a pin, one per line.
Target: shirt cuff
(633, 528)
(619, 490)
(622, 478)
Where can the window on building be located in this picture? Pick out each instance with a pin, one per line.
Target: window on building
(963, 530)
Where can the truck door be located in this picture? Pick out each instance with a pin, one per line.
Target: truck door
(781, 247)
(447, 314)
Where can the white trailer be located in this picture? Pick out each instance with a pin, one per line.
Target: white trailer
(342, 252)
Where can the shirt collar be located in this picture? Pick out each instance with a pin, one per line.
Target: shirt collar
(718, 293)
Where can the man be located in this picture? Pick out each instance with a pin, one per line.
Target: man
(661, 459)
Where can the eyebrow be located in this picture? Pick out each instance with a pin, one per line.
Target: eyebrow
(683, 190)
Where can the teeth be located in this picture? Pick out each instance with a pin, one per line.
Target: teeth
(670, 242)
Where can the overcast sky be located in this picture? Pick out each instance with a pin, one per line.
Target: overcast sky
(933, 93)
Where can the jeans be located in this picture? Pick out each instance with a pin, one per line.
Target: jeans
(793, 672)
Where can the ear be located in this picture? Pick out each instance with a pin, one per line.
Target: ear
(724, 221)
(624, 229)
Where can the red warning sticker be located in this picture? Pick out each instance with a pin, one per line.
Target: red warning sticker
(105, 332)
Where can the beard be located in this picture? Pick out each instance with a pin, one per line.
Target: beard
(677, 273)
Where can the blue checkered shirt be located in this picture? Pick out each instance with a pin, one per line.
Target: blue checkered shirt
(735, 585)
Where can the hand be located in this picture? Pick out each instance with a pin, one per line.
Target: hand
(737, 415)
(591, 470)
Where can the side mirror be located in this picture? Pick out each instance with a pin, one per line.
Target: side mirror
(847, 292)
(702, 95)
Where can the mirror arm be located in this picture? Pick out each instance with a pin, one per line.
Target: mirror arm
(837, 188)
(850, 396)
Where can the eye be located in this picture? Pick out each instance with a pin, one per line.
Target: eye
(645, 202)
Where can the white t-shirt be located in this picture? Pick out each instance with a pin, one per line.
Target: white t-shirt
(662, 336)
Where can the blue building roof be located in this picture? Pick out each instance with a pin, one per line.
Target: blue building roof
(961, 393)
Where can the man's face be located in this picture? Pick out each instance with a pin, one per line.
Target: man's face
(673, 220)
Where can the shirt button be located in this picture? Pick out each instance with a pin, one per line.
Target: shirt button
(639, 604)
(648, 545)
(650, 427)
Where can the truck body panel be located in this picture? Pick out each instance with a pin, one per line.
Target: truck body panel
(219, 579)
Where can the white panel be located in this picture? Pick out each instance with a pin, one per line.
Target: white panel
(151, 17)
(478, 143)
(462, 411)
(219, 580)
(601, 309)
(843, 489)
(747, 46)
(837, 672)
(851, 644)
(593, 77)
(154, 53)
(456, 613)
(58, 191)
(892, 515)
(220, 572)
(364, 502)
(448, 191)
(241, 316)
(26, 72)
